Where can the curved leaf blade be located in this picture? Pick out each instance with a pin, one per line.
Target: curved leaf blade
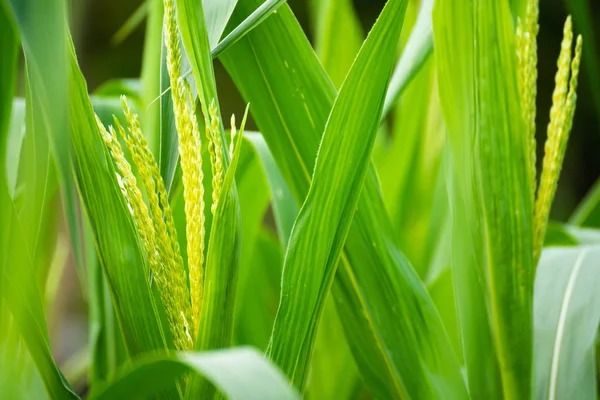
(240, 373)
(322, 225)
(378, 294)
(567, 315)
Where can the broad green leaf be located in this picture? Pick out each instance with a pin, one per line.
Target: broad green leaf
(23, 297)
(490, 196)
(377, 293)
(119, 249)
(38, 25)
(240, 373)
(323, 222)
(414, 55)
(567, 314)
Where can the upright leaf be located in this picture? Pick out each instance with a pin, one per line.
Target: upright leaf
(377, 293)
(117, 243)
(491, 195)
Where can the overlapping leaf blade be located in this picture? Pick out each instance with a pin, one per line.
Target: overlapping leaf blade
(117, 243)
(322, 225)
(376, 290)
(240, 373)
(491, 197)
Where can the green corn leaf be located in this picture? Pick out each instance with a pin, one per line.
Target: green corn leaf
(322, 225)
(20, 241)
(117, 244)
(240, 373)
(302, 96)
(567, 314)
(490, 197)
(39, 25)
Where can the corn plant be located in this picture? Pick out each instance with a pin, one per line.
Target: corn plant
(383, 233)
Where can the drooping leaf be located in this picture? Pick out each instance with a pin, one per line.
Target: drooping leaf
(38, 25)
(567, 314)
(240, 373)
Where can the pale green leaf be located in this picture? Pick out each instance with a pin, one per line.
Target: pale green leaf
(567, 314)
(241, 373)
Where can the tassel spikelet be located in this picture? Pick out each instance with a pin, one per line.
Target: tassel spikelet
(562, 112)
(559, 128)
(130, 191)
(171, 279)
(191, 162)
(163, 257)
(216, 149)
(527, 72)
(153, 217)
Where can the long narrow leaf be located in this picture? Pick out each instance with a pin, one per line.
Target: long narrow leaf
(491, 195)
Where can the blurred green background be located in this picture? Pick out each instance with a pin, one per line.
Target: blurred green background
(94, 24)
